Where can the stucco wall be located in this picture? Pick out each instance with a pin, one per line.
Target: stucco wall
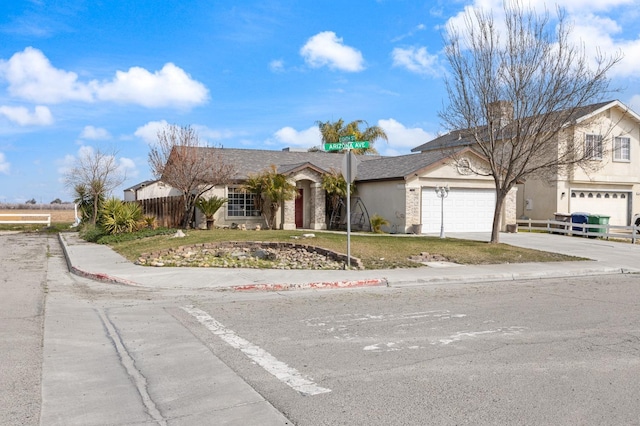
(387, 199)
(606, 174)
(610, 125)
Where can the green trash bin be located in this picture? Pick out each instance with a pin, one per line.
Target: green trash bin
(598, 219)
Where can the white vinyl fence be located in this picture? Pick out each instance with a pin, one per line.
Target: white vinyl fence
(25, 219)
(581, 229)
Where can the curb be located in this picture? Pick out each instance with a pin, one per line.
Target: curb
(465, 279)
(318, 285)
(105, 278)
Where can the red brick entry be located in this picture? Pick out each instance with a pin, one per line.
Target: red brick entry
(299, 209)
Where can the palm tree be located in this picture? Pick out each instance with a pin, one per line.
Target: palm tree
(271, 189)
(335, 186)
(332, 131)
(209, 207)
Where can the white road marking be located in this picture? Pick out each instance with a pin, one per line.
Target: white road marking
(471, 334)
(290, 376)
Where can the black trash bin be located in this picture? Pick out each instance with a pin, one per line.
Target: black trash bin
(562, 217)
(581, 218)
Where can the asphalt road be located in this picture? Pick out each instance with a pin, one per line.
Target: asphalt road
(529, 352)
(23, 282)
(545, 352)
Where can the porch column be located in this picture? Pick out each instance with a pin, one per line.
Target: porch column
(318, 217)
(289, 221)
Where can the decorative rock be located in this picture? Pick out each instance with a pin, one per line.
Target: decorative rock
(179, 234)
(275, 255)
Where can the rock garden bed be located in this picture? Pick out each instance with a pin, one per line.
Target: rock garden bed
(243, 254)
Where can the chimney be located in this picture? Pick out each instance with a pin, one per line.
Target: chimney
(500, 113)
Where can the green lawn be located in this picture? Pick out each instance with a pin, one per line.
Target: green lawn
(375, 250)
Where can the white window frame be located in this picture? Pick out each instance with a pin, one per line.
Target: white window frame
(622, 149)
(240, 204)
(593, 146)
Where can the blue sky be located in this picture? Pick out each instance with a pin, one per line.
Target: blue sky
(79, 75)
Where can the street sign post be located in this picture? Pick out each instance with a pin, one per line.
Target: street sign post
(349, 166)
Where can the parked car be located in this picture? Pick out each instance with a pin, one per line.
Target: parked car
(636, 221)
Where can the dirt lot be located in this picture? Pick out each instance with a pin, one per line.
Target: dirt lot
(57, 215)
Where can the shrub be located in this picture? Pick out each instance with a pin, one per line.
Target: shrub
(150, 222)
(377, 222)
(91, 233)
(117, 217)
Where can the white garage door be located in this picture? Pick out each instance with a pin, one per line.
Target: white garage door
(610, 203)
(465, 210)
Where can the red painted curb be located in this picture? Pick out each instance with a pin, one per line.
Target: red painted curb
(102, 277)
(319, 285)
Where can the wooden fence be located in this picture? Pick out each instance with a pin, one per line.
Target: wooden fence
(581, 229)
(168, 211)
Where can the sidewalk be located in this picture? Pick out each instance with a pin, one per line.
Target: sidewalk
(101, 263)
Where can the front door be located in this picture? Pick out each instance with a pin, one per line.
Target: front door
(299, 209)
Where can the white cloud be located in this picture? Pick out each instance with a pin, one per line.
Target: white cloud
(634, 103)
(277, 65)
(41, 115)
(170, 86)
(597, 33)
(401, 138)
(582, 6)
(326, 49)
(94, 133)
(417, 60)
(4, 164)
(419, 27)
(31, 77)
(127, 167)
(596, 25)
(305, 138)
(209, 134)
(149, 132)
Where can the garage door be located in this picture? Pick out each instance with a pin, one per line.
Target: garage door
(610, 203)
(465, 210)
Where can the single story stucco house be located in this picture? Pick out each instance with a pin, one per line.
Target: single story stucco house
(401, 189)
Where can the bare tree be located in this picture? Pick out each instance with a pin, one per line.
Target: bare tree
(513, 91)
(95, 174)
(183, 161)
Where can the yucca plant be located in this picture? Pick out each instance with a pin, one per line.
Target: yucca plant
(150, 222)
(117, 217)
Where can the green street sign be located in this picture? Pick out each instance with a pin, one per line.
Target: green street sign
(346, 145)
(359, 145)
(347, 139)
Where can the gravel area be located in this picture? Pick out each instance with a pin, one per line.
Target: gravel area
(249, 255)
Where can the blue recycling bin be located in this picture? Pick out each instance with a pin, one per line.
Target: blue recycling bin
(581, 218)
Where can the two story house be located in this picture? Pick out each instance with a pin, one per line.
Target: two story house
(609, 134)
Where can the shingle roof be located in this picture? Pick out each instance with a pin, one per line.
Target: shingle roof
(141, 185)
(251, 161)
(456, 138)
(398, 167)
